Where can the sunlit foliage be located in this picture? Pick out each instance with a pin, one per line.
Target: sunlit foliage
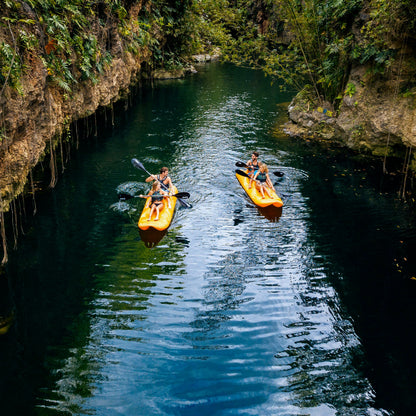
(312, 42)
(77, 39)
(303, 42)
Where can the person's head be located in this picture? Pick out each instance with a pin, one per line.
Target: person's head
(254, 155)
(164, 171)
(263, 168)
(156, 186)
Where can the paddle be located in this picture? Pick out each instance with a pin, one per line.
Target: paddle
(241, 173)
(244, 165)
(241, 165)
(178, 195)
(137, 164)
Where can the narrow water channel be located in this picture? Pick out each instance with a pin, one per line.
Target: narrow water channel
(236, 311)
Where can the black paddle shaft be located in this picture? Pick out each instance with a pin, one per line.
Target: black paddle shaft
(128, 196)
(243, 165)
(241, 173)
(138, 164)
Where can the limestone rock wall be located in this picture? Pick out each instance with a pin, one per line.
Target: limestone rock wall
(374, 116)
(31, 121)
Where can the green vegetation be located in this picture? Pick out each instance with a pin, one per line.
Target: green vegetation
(76, 40)
(388, 22)
(350, 90)
(310, 42)
(11, 66)
(303, 42)
(166, 27)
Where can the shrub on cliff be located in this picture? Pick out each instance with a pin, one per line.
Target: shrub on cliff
(76, 40)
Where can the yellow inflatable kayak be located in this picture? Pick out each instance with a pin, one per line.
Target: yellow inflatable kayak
(165, 217)
(255, 195)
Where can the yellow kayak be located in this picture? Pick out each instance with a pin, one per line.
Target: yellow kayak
(255, 195)
(165, 217)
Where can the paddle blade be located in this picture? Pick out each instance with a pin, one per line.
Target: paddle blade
(182, 195)
(184, 203)
(137, 164)
(241, 164)
(125, 196)
(279, 174)
(241, 173)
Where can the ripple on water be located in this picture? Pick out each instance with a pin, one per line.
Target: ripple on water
(231, 313)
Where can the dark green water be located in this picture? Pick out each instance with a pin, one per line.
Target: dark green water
(309, 311)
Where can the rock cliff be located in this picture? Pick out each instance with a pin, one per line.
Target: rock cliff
(376, 114)
(373, 118)
(34, 121)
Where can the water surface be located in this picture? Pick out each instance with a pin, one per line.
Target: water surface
(306, 310)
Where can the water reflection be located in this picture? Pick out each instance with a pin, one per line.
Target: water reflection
(233, 311)
(117, 330)
(272, 213)
(183, 240)
(240, 318)
(7, 313)
(151, 237)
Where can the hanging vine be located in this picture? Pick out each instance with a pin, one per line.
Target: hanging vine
(15, 226)
(406, 164)
(3, 236)
(32, 185)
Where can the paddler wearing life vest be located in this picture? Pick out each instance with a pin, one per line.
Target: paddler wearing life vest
(253, 166)
(158, 195)
(163, 178)
(263, 181)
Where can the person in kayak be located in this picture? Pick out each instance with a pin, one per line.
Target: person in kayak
(158, 195)
(253, 167)
(163, 178)
(263, 182)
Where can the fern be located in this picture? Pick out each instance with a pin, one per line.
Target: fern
(63, 84)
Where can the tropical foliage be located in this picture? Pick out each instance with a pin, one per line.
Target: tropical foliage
(303, 42)
(311, 42)
(77, 39)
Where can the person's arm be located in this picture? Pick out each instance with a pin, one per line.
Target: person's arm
(255, 176)
(151, 178)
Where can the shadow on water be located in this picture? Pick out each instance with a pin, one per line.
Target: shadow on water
(67, 248)
(152, 237)
(272, 213)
